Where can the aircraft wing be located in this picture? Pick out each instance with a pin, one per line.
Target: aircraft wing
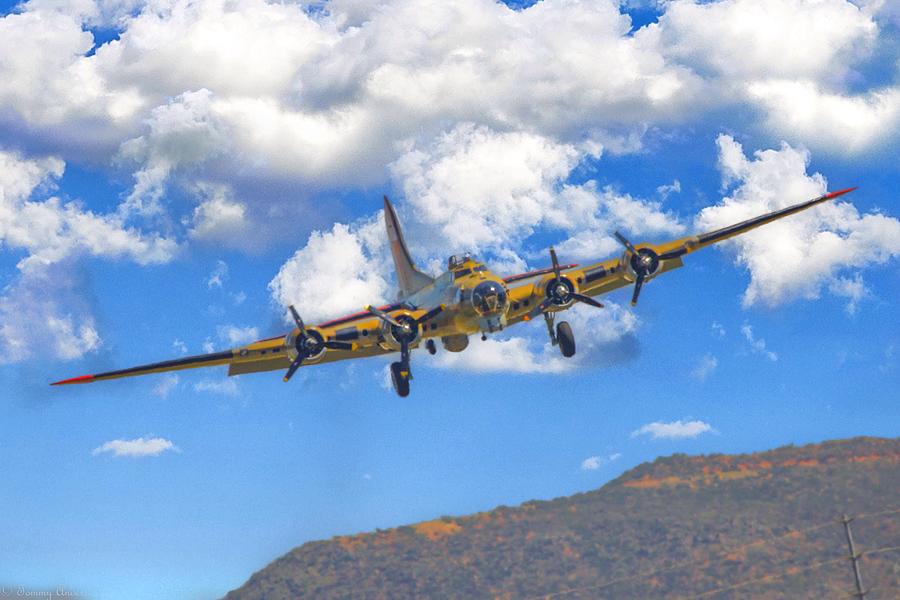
(529, 292)
(350, 333)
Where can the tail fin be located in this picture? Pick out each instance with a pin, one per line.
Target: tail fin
(409, 277)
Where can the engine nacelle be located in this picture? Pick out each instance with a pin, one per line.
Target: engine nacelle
(392, 336)
(314, 344)
(644, 260)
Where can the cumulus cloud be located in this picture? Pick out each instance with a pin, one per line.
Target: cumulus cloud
(757, 345)
(705, 367)
(166, 384)
(220, 218)
(237, 336)
(801, 255)
(43, 311)
(356, 256)
(44, 307)
(218, 276)
(803, 110)
(592, 463)
(521, 177)
(674, 430)
(136, 448)
(602, 337)
(50, 230)
(224, 387)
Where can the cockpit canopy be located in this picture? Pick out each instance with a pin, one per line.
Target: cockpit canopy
(458, 260)
(489, 298)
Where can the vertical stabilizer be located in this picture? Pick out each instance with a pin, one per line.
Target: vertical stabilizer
(409, 278)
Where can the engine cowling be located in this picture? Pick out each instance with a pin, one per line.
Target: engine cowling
(392, 336)
(313, 343)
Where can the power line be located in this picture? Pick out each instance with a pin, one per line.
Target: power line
(724, 553)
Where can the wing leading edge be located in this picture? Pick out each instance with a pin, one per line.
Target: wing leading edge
(677, 248)
(188, 362)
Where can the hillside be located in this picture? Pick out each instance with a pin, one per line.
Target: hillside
(681, 526)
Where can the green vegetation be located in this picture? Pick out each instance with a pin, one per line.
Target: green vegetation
(677, 527)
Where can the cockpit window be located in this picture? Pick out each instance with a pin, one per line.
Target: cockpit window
(462, 273)
(489, 298)
(457, 260)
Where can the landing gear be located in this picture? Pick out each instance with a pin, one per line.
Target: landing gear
(400, 378)
(429, 345)
(565, 339)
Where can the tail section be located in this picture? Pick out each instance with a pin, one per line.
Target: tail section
(409, 277)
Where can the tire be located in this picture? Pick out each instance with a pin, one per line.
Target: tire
(566, 339)
(432, 349)
(401, 383)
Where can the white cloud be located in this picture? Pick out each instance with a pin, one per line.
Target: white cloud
(751, 39)
(512, 355)
(136, 448)
(718, 329)
(218, 276)
(354, 255)
(805, 111)
(705, 367)
(592, 463)
(51, 231)
(675, 430)
(179, 346)
(225, 387)
(219, 218)
(757, 345)
(521, 177)
(166, 384)
(799, 256)
(602, 337)
(851, 288)
(237, 336)
(43, 312)
(43, 308)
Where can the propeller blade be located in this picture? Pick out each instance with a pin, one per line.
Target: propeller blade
(382, 315)
(336, 345)
(586, 299)
(431, 313)
(293, 368)
(297, 320)
(638, 283)
(555, 262)
(625, 242)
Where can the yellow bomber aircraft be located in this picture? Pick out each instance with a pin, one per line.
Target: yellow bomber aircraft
(467, 299)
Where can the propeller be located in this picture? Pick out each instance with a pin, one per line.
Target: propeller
(561, 291)
(405, 328)
(644, 263)
(310, 343)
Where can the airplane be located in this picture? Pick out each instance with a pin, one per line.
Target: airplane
(466, 299)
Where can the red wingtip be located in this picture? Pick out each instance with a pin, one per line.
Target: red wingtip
(82, 379)
(839, 193)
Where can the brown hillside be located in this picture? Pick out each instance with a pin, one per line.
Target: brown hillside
(680, 527)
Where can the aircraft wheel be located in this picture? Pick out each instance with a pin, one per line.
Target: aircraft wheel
(401, 382)
(566, 339)
(429, 345)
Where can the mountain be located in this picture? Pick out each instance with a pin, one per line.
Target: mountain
(765, 525)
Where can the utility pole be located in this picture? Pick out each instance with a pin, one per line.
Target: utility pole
(854, 558)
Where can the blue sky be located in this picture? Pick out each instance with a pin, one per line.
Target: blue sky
(173, 174)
